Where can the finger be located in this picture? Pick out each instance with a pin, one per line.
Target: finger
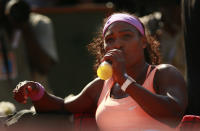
(109, 55)
(114, 50)
(25, 94)
(28, 90)
(112, 56)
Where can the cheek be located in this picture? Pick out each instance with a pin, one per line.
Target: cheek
(134, 51)
(130, 53)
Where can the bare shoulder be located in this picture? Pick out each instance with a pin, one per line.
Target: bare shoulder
(94, 87)
(168, 70)
(166, 66)
(168, 76)
(91, 91)
(169, 81)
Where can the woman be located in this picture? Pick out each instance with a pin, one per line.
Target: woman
(140, 95)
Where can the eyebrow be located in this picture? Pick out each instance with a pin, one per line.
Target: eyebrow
(126, 30)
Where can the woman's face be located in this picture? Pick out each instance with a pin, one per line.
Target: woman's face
(125, 37)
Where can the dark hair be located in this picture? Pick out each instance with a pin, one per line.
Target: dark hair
(151, 52)
(19, 10)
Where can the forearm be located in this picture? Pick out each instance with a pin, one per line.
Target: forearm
(160, 107)
(49, 103)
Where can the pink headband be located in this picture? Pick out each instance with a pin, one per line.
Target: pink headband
(125, 18)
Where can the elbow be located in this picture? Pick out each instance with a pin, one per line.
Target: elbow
(175, 116)
(176, 119)
(179, 112)
(176, 111)
(172, 119)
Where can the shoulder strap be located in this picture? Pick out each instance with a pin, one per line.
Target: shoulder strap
(148, 71)
(106, 87)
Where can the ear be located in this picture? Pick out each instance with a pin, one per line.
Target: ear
(144, 42)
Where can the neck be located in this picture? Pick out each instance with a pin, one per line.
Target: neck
(138, 71)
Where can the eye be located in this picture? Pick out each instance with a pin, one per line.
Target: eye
(127, 36)
(109, 40)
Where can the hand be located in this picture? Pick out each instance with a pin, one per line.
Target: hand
(25, 89)
(116, 56)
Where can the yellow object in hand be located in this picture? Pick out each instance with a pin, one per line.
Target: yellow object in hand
(104, 70)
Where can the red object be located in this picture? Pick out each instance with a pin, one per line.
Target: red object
(85, 122)
(190, 123)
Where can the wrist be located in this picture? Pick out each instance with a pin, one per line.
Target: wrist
(129, 80)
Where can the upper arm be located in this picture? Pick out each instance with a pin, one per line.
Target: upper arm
(86, 100)
(171, 83)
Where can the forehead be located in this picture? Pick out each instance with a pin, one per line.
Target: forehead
(121, 26)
